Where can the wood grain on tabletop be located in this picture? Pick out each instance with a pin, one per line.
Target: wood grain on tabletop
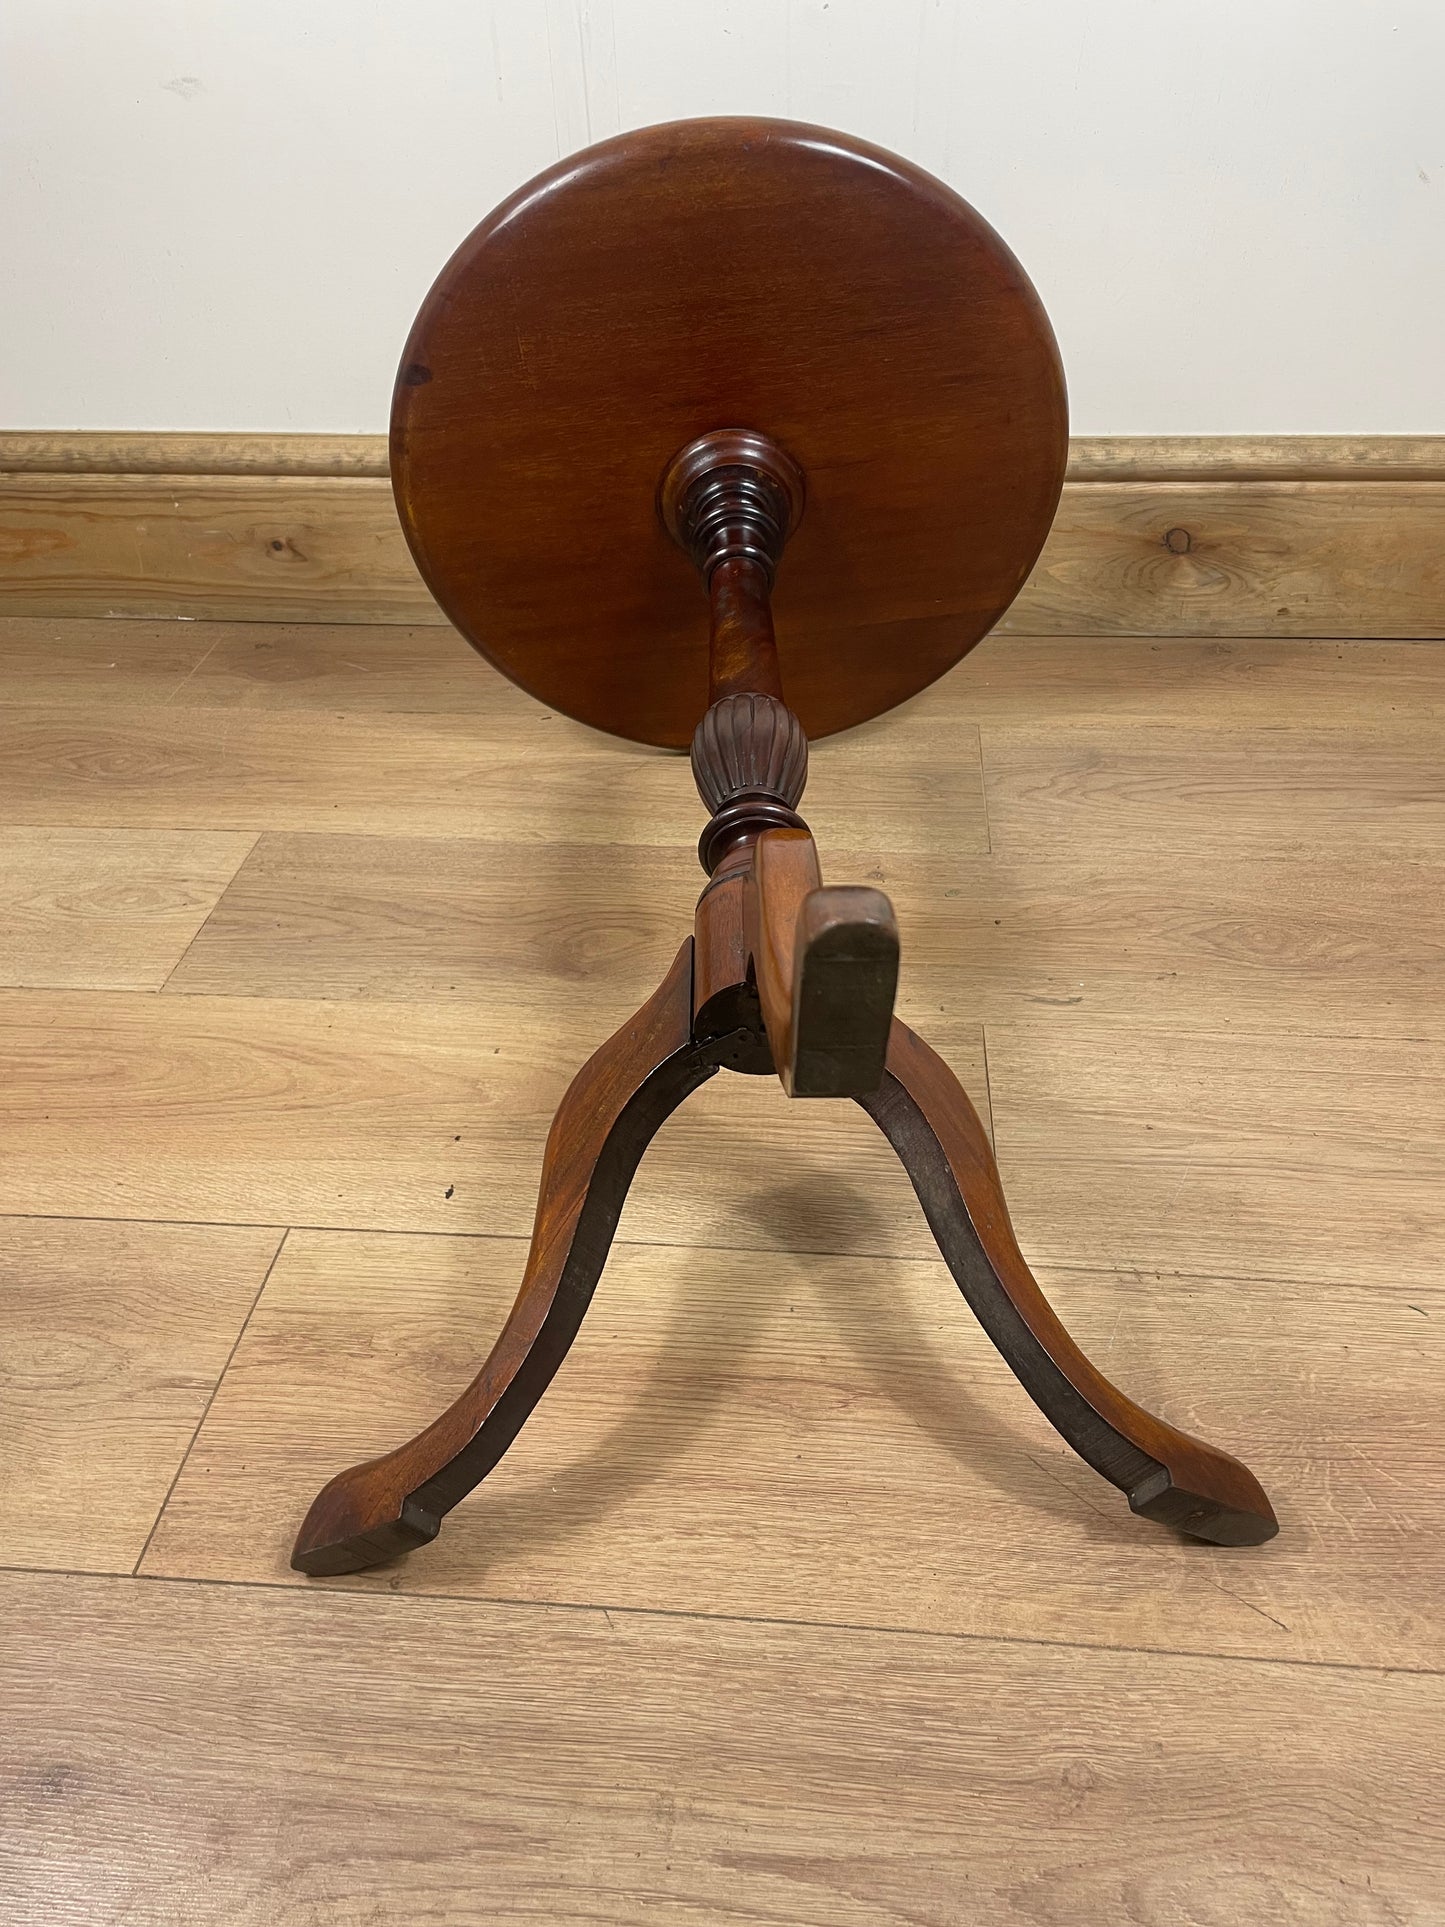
(790, 253)
(211, 1753)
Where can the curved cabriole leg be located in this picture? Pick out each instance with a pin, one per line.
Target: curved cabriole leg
(924, 1112)
(612, 1109)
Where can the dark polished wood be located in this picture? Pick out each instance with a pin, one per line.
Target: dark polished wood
(1166, 1475)
(725, 1001)
(609, 1115)
(750, 764)
(629, 384)
(730, 500)
(732, 495)
(825, 961)
(706, 1017)
(749, 743)
(728, 274)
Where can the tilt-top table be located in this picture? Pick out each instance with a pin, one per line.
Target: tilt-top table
(717, 353)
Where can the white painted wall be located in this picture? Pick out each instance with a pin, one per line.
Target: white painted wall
(222, 213)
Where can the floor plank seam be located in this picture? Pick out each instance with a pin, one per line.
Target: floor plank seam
(210, 1401)
(486, 1001)
(329, 831)
(978, 735)
(171, 694)
(1100, 1268)
(598, 1608)
(205, 921)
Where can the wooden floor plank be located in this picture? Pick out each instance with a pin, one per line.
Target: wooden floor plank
(1268, 682)
(1189, 891)
(107, 909)
(209, 1755)
(409, 1117)
(169, 765)
(1284, 939)
(1300, 940)
(833, 1439)
(172, 766)
(53, 660)
(112, 1338)
(387, 668)
(1193, 791)
(1244, 1154)
(382, 668)
(416, 918)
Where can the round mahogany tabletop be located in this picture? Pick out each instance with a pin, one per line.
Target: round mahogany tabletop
(744, 274)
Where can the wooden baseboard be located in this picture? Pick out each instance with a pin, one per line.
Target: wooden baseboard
(1203, 536)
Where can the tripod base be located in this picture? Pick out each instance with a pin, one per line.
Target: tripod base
(681, 1037)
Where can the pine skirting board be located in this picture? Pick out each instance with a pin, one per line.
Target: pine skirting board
(1201, 536)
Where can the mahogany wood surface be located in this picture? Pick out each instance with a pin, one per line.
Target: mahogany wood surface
(789, 976)
(826, 964)
(784, 874)
(696, 1023)
(823, 963)
(711, 275)
(611, 1111)
(924, 1112)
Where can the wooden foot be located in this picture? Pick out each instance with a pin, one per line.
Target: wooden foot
(924, 1112)
(609, 1115)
